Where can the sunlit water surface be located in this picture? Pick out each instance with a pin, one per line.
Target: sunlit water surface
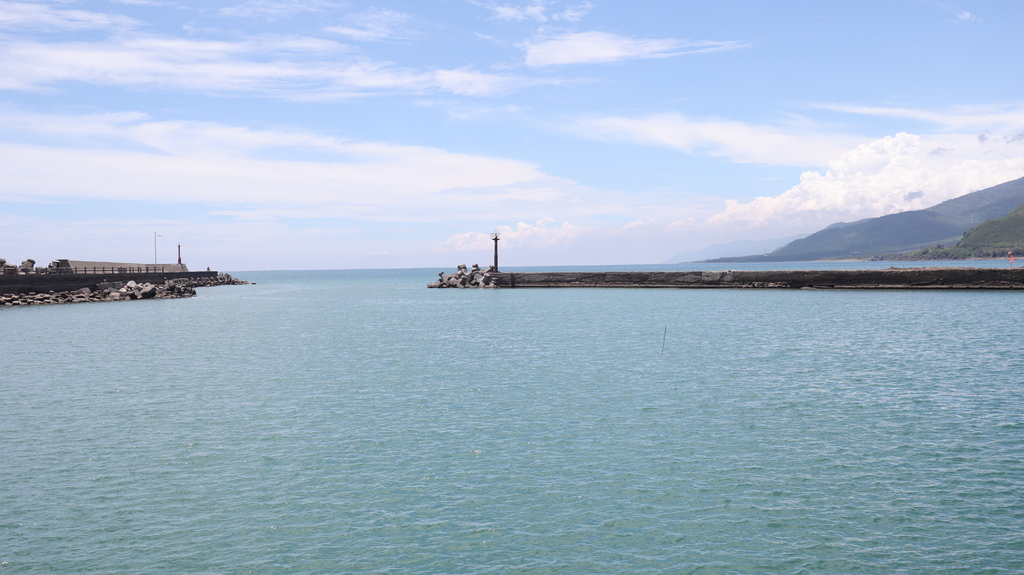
(356, 422)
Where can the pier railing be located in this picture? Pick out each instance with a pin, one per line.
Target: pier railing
(108, 270)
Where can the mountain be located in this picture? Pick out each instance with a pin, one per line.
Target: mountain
(902, 232)
(992, 239)
(1003, 234)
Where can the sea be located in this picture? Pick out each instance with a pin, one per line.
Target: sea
(354, 421)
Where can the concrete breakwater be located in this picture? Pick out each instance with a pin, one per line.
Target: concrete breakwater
(118, 291)
(40, 283)
(892, 278)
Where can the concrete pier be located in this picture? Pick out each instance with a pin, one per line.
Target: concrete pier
(26, 283)
(892, 278)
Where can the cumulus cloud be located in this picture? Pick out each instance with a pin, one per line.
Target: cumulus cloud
(892, 174)
(523, 235)
(736, 141)
(603, 47)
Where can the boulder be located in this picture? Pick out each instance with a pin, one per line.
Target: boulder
(465, 277)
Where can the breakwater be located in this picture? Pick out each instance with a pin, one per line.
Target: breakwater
(39, 283)
(892, 278)
(97, 291)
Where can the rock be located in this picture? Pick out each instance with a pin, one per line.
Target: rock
(465, 278)
(115, 291)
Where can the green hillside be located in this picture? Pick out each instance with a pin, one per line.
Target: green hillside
(1005, 233)
(904, 232)
(992, 239)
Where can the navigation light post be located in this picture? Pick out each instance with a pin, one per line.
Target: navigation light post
(495, 236)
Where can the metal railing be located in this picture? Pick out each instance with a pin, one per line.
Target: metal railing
(107, 270)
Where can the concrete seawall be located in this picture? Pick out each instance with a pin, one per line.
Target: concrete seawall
(40, 283)
(892, 278)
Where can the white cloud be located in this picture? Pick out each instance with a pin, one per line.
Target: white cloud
(271, 9)
(737, 141)
(293, 68)
(538, 11)
(962, 118)
(604, 47)
(522, 235)
(889, 175)
(375, 25)
(471, 110)
(573, 13)
(127, 157)
(469, 82)
(31, 16)
(551, 241)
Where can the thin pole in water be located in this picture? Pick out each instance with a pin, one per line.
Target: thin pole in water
(663, 337)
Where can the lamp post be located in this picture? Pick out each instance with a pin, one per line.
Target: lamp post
(495, 236)
(155, 236)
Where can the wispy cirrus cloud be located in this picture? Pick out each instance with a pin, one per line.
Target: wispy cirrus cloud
(290, 68)
(959, 118)
(736, 141)
(376, 25)
(604, 47)
(252, 174)
(23, 16)
(957, 15)
(278, 8)
(538, 11)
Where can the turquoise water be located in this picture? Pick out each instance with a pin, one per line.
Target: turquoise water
(356, 422)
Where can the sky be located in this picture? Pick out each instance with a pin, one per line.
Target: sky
(322, 134)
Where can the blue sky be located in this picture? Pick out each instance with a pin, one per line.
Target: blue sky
(288, 134)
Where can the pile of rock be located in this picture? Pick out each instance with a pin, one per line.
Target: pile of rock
(118, 291)
(220, 280)
(465, 278)
(115, 291)
(27, 267)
